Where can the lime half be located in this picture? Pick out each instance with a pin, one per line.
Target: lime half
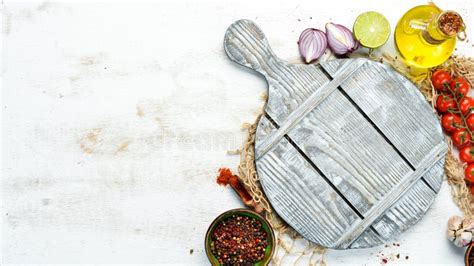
(371, 29)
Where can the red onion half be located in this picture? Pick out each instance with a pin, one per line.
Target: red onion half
(340, 39)
(312, 44)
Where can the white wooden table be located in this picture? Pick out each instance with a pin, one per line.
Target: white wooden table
(116, 117)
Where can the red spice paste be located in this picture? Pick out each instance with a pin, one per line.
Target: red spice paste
(226, 177)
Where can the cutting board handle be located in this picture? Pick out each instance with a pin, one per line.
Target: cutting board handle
(245, 44)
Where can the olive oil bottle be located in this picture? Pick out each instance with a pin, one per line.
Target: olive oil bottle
(426, 35)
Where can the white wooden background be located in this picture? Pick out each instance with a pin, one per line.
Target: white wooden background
(116, 117)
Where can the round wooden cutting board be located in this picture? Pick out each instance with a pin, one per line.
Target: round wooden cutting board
(349, 152)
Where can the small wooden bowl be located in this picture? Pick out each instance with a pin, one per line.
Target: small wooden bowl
(470, 255)
(269, 250)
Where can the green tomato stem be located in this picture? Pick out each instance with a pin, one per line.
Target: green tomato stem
(458, 105)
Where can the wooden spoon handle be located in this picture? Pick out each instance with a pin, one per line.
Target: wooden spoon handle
(246, 45)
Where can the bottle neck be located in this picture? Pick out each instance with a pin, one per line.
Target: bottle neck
(431, 38)
(446, 26)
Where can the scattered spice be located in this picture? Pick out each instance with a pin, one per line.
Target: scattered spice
(239, 240)
(407, 257)
(191, 251)
(389, 254)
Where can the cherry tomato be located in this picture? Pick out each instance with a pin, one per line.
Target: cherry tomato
(466, 104)
(441, 79)
(450, 122)
(470, 121)
(461, 137)
(444, 103)
(466, 154)
(469, 173)
(460, 86)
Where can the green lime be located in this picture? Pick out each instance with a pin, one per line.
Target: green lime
(371, 29)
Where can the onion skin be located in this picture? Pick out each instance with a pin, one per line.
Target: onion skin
(340, 39)
(312, 44)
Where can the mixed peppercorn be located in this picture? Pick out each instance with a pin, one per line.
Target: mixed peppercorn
(457, 117)
(239, 240)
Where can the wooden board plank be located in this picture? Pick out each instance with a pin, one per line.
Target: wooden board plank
(350, 152)
(392, 197)
(370, 102)
(404, 213)
(395, 105)
(313, 100)
(317, 206)
(413, 204)
(367, 239)
(434, 176)
(290, 84)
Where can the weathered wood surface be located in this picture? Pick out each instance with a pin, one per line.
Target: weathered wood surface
(349, 152)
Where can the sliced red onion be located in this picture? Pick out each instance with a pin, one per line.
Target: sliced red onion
(340, 39)
(312, 44)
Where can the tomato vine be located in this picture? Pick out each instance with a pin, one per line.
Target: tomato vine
(457, 117)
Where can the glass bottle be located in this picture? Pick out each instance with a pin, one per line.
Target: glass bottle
(426, 36)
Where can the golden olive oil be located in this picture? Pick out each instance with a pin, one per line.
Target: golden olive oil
(421, 40)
